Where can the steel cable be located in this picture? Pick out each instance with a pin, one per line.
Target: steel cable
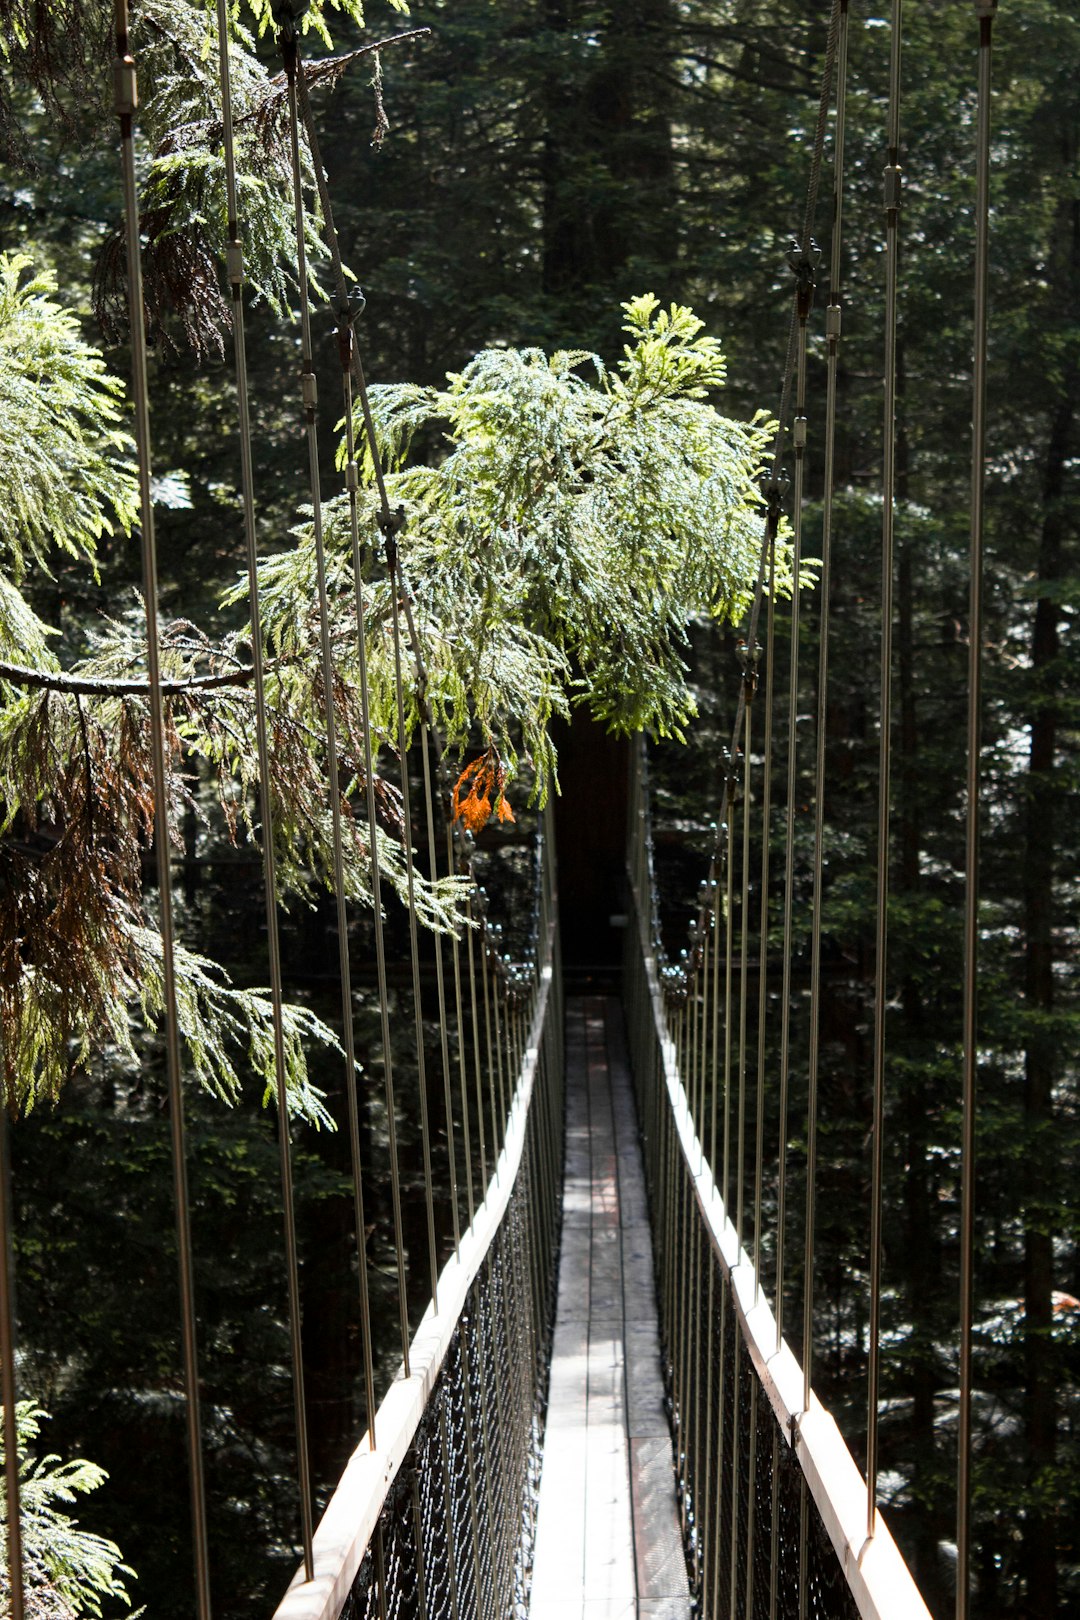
(8, 1390)
(125, 103)
(235, 267)
(892, 209)
(414, 942)
(985, 10)
(289, 45)
(805, 297)
(773, 485)
(440, 992)
(832, 334)
(763, 943)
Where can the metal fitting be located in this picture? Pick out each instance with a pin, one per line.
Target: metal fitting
(287, 15)
(833, 319)
(125, 87)
(234, 263)
(309, 389)
(352, 477)
(798, 433)
(893, 177)
(391, 523)
(804, 262)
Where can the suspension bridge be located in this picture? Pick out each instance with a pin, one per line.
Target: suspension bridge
(599, 1414)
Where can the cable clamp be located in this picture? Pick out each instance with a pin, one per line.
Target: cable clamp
(287, 15)
(391, 523)
(893, 178)
(234, 263)
(833, 321)
(125, 87)
(798, 433)
(773, 491)
(804, 263)
(309, 389)
(352, 477)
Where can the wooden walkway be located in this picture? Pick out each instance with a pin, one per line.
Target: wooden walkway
(608, 1545)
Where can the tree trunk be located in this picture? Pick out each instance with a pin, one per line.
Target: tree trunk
(607, 155)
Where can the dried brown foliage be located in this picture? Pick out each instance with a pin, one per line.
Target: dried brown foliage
(61, 50)
(79, 949)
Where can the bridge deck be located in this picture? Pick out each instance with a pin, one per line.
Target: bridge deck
(608, 1545)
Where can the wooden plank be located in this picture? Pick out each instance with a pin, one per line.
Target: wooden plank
(659, 1560)
(609, 1536)
(607, 1519)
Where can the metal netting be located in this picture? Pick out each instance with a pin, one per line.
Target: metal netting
(455, 1537)
(758, 1548)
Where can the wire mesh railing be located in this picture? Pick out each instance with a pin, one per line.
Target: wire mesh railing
(435, 1516)
(773, 1506)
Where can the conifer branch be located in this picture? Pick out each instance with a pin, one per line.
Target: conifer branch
(48, 680)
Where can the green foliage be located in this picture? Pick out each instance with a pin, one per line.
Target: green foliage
(314, 19)
(64, 472)
(561, 543)
(69, 1571)
(183, 203)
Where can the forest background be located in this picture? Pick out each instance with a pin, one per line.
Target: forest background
(545, 161)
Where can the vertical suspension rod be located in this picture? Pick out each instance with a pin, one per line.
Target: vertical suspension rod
(763, 943)
(126, 101)
(8, 1392)
(394, 582)
(892, 231)
(346, 344)
(750, 681)
(440, 990)
(235, 266)
(832, 339)
(290, 52)
(803, 266)
(985, 11)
